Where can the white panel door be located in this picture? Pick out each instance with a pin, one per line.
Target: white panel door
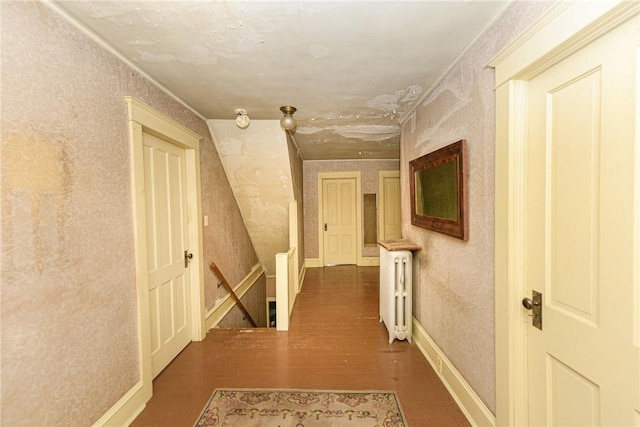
(167, 241)
(390, 214)
(340, 221)
(582, 237)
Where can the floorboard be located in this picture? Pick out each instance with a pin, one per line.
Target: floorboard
(335, 342)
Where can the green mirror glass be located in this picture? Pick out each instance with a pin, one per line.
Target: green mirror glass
(438, 190)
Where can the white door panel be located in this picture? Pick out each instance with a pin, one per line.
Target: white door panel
(340, 219)
(166, 207)
(581, 237)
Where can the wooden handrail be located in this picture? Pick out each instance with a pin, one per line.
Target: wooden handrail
(228, 287)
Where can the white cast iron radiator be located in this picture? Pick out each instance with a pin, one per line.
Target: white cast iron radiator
(395, 293)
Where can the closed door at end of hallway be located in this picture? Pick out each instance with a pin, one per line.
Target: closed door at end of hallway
(340, 221)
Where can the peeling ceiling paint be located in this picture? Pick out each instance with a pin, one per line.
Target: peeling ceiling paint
(373, 133)
(352, 68)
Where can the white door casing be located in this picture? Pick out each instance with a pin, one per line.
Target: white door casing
(167, 249)
(389, 216)
(144, 119)
(567, 218)
(340, 207)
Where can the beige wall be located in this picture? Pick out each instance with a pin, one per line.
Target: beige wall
(453, 279)
(69, 329)
(369, 169)
(226, 242)
(256, 160)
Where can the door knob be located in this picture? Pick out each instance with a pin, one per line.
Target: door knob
(527, 303)
(187, 258)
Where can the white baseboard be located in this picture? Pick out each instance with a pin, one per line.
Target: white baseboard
(303, 271)
(370, 261)
(364, 262)
(127, 408)
(225, 304)
(312, 262)
(469, 402)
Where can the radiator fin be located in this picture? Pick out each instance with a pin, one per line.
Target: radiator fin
(396, 293)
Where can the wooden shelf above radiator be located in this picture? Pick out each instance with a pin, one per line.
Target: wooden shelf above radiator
(399, 245)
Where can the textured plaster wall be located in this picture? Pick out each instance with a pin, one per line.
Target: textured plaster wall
(226, 241)
(256, 161)
(369, 180)
(454, 280)
(69, 323)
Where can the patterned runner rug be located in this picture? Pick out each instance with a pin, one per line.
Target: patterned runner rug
(301, 408)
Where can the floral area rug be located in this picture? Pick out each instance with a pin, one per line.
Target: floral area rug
(301, 408)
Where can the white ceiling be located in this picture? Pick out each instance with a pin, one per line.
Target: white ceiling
(353, 69)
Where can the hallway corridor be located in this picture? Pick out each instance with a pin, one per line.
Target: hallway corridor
(335, 342)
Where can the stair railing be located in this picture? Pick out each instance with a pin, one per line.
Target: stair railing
(229, 289)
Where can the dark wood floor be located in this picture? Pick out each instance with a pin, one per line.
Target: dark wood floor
(335, 342)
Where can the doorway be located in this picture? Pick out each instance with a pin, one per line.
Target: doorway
(156, 135)
(390, 218)
(567, 221)
(339, 218)
(168, 249)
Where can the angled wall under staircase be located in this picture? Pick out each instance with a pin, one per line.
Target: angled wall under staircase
(257, 163)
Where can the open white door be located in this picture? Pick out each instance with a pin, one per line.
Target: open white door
(168, 253)
(568, 219)
(147, 128)
(582, 236)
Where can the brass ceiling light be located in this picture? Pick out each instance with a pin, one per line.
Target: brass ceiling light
(288, 122)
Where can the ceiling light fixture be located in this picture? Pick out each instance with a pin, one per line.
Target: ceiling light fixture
(242, 120)
(287, 121)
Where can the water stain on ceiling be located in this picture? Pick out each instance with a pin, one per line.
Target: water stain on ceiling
(353, 69)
